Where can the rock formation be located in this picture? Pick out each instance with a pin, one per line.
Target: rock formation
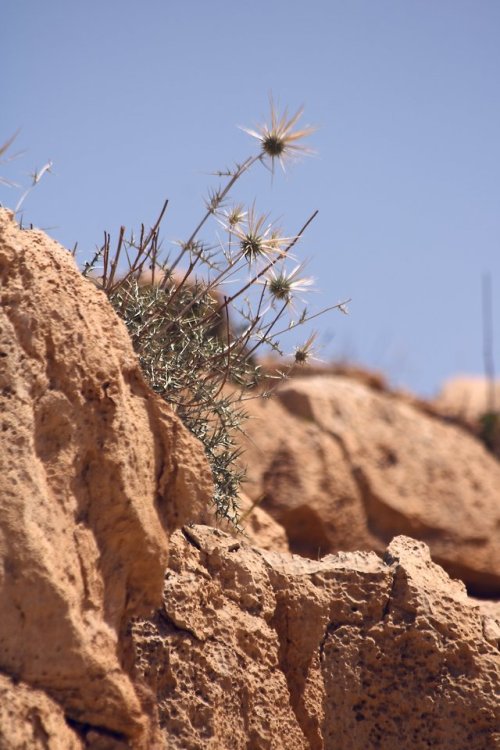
(344, 467)
(475, 402)
(468, 397)
(117, 632)
(95, 471)
(253, 649)
(30, 720)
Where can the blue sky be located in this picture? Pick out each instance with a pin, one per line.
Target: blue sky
(138, 102)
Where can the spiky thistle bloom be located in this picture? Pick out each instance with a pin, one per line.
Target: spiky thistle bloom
(278, 140)
(259, 239)
(234, 216)
(303, 353)
(283, 286)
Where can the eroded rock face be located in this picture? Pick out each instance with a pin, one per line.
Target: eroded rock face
(253, 649)
(301, 478)
(341, 466)
(211, 654)
(30, 720)
(95, 471)
(261, 530)
(256, 526)
(246, 648)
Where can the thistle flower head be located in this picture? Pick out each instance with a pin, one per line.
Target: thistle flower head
(259, 239)
(303, 353)
(234, 216)
(283, 286)
(278, 140)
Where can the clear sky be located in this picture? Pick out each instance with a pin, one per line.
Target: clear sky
(135, 102)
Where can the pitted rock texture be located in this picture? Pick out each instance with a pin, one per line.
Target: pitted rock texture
(342, 466)
(95, 472)
(254, 649)
(210, 655)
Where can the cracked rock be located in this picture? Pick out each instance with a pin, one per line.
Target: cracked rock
(344, 653)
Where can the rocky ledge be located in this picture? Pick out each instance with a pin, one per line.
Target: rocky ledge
(125, 625)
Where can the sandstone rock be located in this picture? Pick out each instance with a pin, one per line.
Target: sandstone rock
(30, 720)
(270, 367)
(467, 397)
(261, 530)
(475, 403)
(256, 526)
(303, 480)
(344, 467)
(211, 654)
(490, 614)
(95, 469)
(253, 649)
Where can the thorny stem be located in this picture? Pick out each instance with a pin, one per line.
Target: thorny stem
(269, 265)
(240, 170)
(186, 359)
(242, 340)
(307, 318)
(228, 363)
(252, 281)
(265, 335)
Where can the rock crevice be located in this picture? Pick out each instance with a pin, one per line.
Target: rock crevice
(343, 653)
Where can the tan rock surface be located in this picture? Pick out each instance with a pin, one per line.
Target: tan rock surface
(467, 396)
(95, 469)
(344, 467)
(261, 530)
(30, 720)
(256, 526)
(211, 653)
(253, 649)
(300, 475)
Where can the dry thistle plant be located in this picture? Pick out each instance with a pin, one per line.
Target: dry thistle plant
(3, 151)
(198, 347)
(35, 176)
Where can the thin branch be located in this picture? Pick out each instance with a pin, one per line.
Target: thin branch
(307, 318)
(272, 262)
(243, 168)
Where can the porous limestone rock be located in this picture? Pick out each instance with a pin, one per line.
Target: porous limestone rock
(255, 649)
(95, 471)
(210, 655)
(342, 466)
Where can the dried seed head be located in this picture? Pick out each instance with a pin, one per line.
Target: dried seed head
(284, 286)
(258, 239)
(278, 140)
(304, 353)
(236, 215)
